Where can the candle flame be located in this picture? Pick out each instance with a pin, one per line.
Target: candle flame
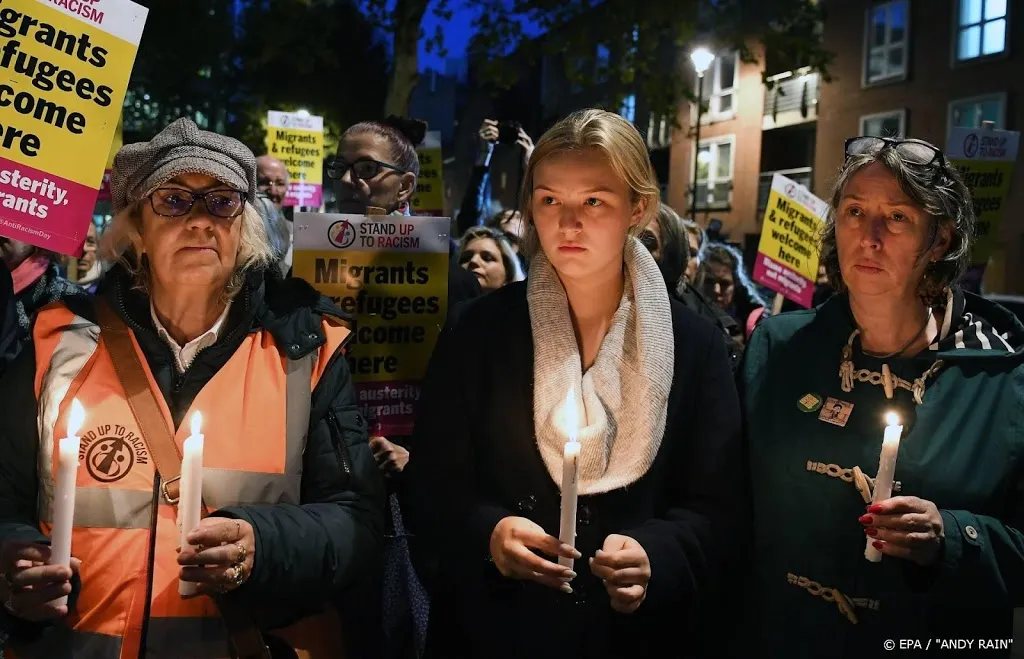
(572, 423)
(76, 419)
(892, 419)
(197, 422)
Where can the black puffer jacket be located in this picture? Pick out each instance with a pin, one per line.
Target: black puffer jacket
(328, 543)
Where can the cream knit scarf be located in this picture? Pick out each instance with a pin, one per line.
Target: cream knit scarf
(623, 397)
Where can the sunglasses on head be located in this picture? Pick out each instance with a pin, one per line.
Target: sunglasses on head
(365, 168)
(916, 152)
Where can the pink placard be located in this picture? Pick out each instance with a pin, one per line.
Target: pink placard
(310, 195)
(781, 279)
(105, 187)
(389, 407)
(44, 210)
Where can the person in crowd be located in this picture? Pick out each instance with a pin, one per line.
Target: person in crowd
(272, 179)
(272, 187)
(476, 208)
(37, 279)
(695, 238)
(664, 240)
(898, 337)
(509, 221)
(89, 267)
(667, 240)
(727, 281)
(188, 316)
(377, 167)
(488, 255)
(591, 335)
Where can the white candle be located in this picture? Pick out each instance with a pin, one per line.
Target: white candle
(64, 492)
(191, 492)
(886, 472)
(570, 480)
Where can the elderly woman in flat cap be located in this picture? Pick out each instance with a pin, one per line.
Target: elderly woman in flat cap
(192, 333)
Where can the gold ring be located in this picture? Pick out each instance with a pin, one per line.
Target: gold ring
(242, 553)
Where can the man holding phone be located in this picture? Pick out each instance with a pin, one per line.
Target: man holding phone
(476, 203)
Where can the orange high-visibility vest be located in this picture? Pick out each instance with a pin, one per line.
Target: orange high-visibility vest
(255, 419)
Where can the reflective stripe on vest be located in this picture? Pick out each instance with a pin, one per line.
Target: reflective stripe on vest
(256, 412)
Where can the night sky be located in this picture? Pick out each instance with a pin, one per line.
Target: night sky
(457, 32)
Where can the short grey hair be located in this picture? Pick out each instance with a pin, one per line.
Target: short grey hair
(942, 194)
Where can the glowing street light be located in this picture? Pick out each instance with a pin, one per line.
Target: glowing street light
(702, 59)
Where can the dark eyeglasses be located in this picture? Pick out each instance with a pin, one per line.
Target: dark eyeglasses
(916, 152)
(364, 169)
(177, 202)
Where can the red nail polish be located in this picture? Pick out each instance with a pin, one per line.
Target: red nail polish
(865, 519)
(875, 508)
(877, 545)
(872, 531)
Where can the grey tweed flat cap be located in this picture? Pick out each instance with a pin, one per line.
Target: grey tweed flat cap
(181, 148)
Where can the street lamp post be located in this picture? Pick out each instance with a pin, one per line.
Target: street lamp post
(701, 58)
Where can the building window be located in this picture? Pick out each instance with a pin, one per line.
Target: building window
(981, 28)
(659, 131)
(971, 112)
(887, 41)
(719, 86)
(714, 172)
(628, 109)
(885, 124)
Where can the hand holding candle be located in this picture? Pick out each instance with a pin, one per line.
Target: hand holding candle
(64, 492)
(570, 480)
(886, 472)
(191, 492)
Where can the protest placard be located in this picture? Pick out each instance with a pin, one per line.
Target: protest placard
(297, 140)
(66, 68)
(429, 196)
(115, 146)
(787, 255)
(391, 274)
(986, 158)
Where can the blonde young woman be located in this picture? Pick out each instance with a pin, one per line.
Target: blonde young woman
(488, 255)
(295, 501)
(658, 424)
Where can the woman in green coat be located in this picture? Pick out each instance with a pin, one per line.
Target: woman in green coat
(948, 540)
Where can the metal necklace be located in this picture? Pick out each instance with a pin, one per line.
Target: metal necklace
(927, 319)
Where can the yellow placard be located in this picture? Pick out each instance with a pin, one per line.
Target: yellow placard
(117, 142)
(297, 140)
(985, 157)
(68, 102)
(390, 273)
(65, 68)
(787, 254)
(429, 197)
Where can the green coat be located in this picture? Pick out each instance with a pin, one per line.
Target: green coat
(962, 449)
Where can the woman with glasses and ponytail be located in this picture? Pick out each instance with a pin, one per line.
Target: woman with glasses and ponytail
(377, 168)
(194, 331)
(853, 557)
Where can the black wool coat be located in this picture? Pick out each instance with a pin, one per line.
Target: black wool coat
(474, 461)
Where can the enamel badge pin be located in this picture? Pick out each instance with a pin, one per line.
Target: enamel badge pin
(835, 411)
(809, 403)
